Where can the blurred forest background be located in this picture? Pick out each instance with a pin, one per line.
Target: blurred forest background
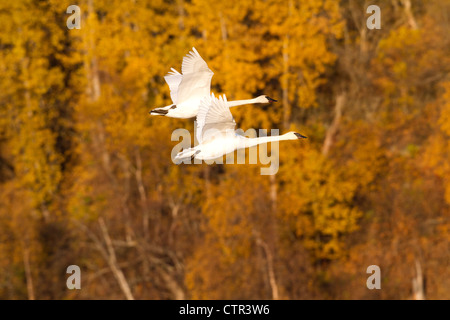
(86, 176)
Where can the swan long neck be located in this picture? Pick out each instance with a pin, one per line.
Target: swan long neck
(236, 103)
(251, 142)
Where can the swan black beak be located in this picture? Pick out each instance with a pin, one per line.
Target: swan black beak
(159, 112)
(270, 99)
(300, 136)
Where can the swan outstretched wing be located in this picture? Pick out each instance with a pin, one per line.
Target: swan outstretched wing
(214, 117)
(173, 79)
(196, 82)
(193, 63)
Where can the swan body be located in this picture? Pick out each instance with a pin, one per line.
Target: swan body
(216, 132)
(188, 88)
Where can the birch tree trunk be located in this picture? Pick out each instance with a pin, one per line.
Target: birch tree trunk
(409, 14)
(28, 274)
(331, 132)
(270, 270)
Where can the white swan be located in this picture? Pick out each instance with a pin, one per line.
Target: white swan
(216, 133)
(189, 88)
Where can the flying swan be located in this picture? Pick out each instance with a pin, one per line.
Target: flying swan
(190, 87)
(216, 132)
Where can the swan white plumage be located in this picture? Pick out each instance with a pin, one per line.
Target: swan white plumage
(188, 88)
(216, 133)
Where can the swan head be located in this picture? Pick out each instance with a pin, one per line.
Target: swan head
(294, 136)
(265, 99)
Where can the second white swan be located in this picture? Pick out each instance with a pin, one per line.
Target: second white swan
(216, 133)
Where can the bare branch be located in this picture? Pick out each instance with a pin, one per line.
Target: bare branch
(112, 261)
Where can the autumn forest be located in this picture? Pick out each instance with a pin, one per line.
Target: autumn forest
(87, 179)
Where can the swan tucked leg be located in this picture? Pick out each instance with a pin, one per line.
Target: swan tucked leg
(185, 155)
(162, 111)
